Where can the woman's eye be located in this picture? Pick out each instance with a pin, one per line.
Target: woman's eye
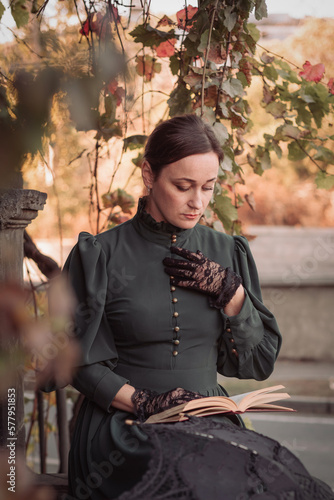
(181, 188)
(208, 188)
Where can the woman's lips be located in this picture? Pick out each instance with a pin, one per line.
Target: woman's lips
(191, 216)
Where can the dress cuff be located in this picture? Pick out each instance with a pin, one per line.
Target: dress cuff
(107, 388)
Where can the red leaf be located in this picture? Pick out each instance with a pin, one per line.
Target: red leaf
(166, 49)
(312, 73)
(183, 17)
(85, 28)
(114, 89)
(330, 85)
(111, 87)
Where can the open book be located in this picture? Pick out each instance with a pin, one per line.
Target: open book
(250, 401)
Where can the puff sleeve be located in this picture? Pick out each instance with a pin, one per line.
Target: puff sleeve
(251, 340)
(87, 274)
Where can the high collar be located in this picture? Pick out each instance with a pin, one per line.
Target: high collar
(158, 232)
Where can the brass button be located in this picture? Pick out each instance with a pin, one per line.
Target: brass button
(235, 352)
(228, 330)
(172, 288)
(232, 341)
(171, 277)
(174, 300)
(175, 353)
(175, 314)
(176, 329)
(176, 341)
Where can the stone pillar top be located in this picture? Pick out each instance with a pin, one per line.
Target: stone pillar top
(18, 207)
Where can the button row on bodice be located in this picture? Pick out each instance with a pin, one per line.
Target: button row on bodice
(176, 328)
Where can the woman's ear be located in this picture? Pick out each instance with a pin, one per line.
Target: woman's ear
(147, 174)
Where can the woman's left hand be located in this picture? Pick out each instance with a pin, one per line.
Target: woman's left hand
(202, 274)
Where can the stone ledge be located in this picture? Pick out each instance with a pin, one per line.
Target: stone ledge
(18, 207)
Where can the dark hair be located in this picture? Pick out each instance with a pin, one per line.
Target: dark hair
(177, 138)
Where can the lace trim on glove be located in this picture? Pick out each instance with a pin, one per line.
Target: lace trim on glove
(230, 284)
(147, 402)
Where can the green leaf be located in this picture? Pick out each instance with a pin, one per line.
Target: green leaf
(254, 32)
(260, 9)
(179, 101)
(2, 10)
(149, 36)
(317, 113)
(120, 198)
(324, 154)
(134, 142)
(221, 132)
(256, 165)
(286, 72)
(191, 47)
(270, 72)
(242, 78)
(277, 149)
(324, 180)
(295, 153)
(291, 131)
(230, 18)
(266, 58)
(138, 160)
(174, 64)
(204, 41)
(208, 114)
(263, 157)
(233, 87)
(277, 109)
(226, 211)
(321, 91)
(304, 116)
(19, 12)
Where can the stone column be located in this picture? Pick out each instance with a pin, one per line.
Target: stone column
(18, 207)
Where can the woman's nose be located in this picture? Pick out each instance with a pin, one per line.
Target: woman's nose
(196, 201)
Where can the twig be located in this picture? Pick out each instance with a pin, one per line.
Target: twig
(310, 157)
(54, 187)
(18, 39)
(207, 55)
(277, 55)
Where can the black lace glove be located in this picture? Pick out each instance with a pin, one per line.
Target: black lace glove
(147, 402)
(202, 274)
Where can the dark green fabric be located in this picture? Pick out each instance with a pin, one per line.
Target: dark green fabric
(125, 323)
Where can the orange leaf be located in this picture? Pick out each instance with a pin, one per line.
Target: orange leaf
(312, 73)
(217, 53)
(147, 67)
(183, 17)
(330, 85)
(165, 21)
(166, 49)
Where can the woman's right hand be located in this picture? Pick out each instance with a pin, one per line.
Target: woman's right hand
(147, 402)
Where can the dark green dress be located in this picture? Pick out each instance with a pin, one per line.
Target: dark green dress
(135, 328)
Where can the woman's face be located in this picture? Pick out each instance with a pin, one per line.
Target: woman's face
(183, 189)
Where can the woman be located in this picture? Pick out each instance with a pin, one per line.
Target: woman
(164, 303)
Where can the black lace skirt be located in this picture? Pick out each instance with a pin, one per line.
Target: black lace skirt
(204, 458)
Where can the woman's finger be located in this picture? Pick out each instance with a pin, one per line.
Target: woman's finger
(181, 264)
(187, 254)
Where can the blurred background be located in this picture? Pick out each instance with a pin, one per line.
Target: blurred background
(92, 182)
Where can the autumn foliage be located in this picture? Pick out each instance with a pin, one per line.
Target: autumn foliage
(213, 59)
